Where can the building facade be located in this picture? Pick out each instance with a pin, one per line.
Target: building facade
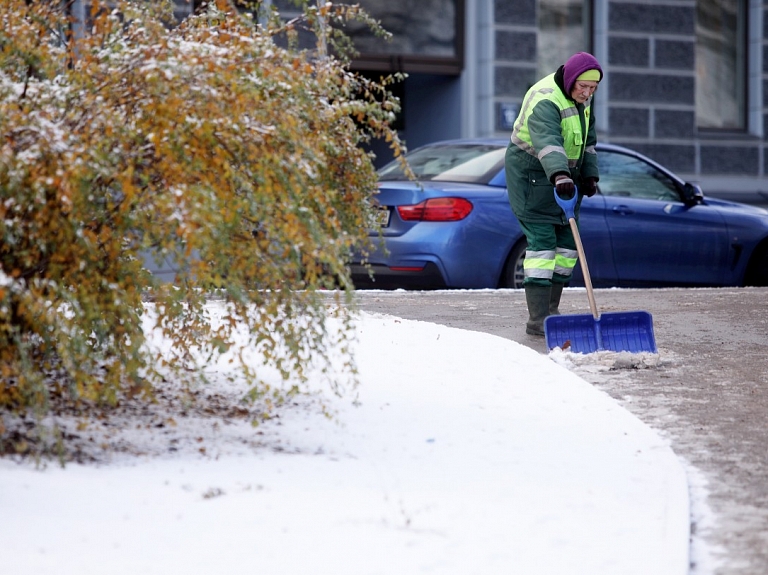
(685, 80)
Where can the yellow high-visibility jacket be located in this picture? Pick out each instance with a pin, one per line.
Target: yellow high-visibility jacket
(552, 134)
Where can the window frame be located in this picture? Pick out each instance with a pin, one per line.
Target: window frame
(419, 63)
(587, 27)
(743, 124)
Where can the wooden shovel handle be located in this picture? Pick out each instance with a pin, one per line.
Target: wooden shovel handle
(584, 267)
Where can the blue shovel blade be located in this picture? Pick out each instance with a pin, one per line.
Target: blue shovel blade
(630, 331)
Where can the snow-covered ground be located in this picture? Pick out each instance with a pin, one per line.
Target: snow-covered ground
(464, 453)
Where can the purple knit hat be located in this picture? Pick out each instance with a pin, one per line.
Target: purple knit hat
(576, 66)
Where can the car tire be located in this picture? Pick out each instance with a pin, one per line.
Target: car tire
(757, 272)
(513, 274)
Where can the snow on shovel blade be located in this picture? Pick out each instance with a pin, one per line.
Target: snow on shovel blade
(630, 331)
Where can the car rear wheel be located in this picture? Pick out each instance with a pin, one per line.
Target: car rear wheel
(513, 274)
(757, 272)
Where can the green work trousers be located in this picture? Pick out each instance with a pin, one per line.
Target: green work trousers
(551, 254)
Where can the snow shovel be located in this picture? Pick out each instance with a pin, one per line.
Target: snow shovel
(630, 331)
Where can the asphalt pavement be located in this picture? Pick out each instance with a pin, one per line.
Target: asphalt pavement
(708, 393)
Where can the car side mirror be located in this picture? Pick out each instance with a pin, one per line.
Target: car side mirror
(692, 194)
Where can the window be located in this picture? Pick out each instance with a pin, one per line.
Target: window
(629, 177)
(427, 37)
(721, 64)
(450, 163)
(563, 30)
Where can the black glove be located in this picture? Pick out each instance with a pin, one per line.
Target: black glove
(565, 187)
(589, 187)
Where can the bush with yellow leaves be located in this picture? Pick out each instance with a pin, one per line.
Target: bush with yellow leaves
(203, 142)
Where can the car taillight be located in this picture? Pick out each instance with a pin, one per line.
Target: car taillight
(436, 210)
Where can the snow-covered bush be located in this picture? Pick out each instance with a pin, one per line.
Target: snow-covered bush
(204, 142)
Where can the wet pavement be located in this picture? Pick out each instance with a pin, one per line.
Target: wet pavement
(708, 394)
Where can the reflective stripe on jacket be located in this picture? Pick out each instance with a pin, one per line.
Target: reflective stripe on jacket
(552, 134)
(572, 128)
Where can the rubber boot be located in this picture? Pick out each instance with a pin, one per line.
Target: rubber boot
(554, 298)
(537, 297)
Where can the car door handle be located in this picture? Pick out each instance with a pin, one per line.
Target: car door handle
(624, 210)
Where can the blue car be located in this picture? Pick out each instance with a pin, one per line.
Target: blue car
(645, 227)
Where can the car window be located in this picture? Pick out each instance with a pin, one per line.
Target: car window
(470, 163)
(627, 176)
